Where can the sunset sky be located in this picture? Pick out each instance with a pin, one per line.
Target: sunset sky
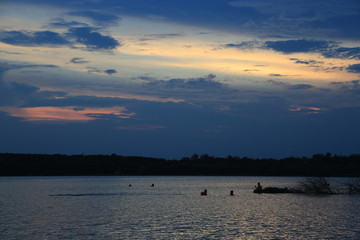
(255, 78)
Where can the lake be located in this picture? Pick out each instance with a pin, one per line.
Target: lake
(108, 208)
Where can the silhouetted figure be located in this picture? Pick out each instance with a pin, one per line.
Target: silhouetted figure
(152, 185)
(258, 188)
(204, 193)
(129, 185)
(231, 193)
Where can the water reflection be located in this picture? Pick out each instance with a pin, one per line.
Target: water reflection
(106, 208)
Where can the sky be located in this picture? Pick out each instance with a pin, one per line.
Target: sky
(156, 78)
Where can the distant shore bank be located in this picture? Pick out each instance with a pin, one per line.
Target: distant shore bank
(72, 165)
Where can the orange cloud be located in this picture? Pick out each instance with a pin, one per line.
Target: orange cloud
(69, 113)
(305, 109)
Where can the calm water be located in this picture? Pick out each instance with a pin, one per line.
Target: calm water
(107, 208)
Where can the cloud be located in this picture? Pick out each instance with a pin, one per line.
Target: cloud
(68, 113)
(354, 68)
(97, 17)
(149, 37)
(17, 92)
(298, 46)
(328, 49)
(78, 60)
(27, 38)
(339, 26)
(97, 70)
(307, 110)
(288, 86)
(62, 23)
(11, 53)
(203, 83)
(300, 86)
(349, 85)
(306, 62)
(91, 39)
(343, 53)
(110, 71)
(86, 36)
(244, 45)
(306, 18)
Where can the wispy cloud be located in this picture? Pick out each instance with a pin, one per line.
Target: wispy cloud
(307, 110)
(97, 17)
(295, 87)
(347, 86)
(78, 60)
(67, 114)
(62, 23)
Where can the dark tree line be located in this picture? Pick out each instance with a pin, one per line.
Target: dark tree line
(77, 165)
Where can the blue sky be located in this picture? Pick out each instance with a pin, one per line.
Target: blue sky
(168, 79)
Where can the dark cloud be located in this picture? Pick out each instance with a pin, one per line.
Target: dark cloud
(4, 66)
(343, 53)
(277, 83)
(298, 46)
(62, 23)
(349, 85)
(355, 68)
(110, 71)
(98, 17)
(11, 53)
(276, 75)
(97, 70)
(300, 86)
(328, 49)
(203, 83)
(295, 87)
(94, 70)
(86, 36)
(26, 38)
(340, 26)
(91, 39)
(11, 92)
(244, 45)
(306, 18)
(306, 62)
(78, 60)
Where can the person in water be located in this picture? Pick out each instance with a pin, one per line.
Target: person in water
(231, 193)
(258, 188)
(204, 193)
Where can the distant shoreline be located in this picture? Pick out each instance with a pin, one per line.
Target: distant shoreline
(12, 164)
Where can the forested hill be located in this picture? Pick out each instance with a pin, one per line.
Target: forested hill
(72, 165)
